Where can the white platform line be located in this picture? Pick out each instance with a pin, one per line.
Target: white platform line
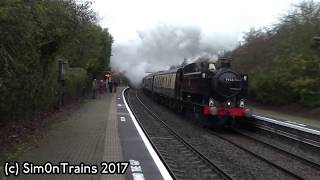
(282, 123)
(163, 170)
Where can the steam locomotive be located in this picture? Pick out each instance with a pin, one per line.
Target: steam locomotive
(216, 93)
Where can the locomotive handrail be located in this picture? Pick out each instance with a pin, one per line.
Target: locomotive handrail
(193, 73)
(235, 89)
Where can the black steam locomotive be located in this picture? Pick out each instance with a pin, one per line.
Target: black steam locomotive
(217, 93)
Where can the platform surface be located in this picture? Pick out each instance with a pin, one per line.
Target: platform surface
(136, 148)
(99, 130)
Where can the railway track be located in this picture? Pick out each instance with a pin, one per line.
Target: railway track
(184, 161)
(306, 140)
(298, 157)
(289, 163)
(291, 131)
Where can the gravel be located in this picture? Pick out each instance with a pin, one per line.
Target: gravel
(228, 156)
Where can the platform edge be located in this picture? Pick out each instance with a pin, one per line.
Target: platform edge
(163, 170)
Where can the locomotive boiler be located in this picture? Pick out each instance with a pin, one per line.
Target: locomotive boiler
(217, 93)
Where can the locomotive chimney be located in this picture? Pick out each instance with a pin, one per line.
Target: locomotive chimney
(225, 62)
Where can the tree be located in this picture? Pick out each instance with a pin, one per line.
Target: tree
(33, 35)
(281, 60)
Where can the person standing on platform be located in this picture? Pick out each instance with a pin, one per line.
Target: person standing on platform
(115, 85)
(94, 88)
(110, 86)
(101, 86)
(106, 85)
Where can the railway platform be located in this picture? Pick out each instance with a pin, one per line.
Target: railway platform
(102, 130)
(298, 122)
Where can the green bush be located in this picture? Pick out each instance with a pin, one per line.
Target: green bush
(75, 83)
(33, 35)
(312, 100)
(272, 88)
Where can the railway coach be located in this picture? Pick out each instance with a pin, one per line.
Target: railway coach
(217, 93)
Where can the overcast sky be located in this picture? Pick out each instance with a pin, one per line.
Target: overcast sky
(125, 17)
(152, 35)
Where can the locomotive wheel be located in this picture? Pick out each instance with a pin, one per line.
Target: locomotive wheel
(232, 123)
(171, 104)
(218, 122)
(205, 122)
(180, 108)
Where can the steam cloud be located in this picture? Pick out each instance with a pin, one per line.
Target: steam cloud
(163, 46)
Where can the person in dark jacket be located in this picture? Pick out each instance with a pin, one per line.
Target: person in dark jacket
(115, 85)
(110, 83)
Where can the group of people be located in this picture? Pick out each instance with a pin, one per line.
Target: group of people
(103, 86)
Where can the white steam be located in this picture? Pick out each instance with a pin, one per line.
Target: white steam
(163, 46)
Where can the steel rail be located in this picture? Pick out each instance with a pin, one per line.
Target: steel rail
(216, 168)
(286, 124)
(284, 131)
(153, 145)
(306, 161)
(256, 155)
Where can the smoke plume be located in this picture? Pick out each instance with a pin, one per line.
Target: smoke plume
(163, 46)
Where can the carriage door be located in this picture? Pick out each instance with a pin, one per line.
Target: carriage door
(179, 79)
